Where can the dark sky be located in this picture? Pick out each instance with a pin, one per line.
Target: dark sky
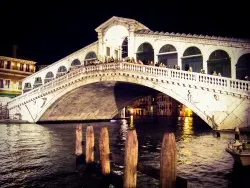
(46, 32)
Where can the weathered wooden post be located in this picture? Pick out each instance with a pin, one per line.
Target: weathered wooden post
(131, 159)
(80, 159)
(79, 150)
(104, 151)
(168, 161)
(90, 144)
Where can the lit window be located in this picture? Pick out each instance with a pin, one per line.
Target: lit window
(7, 83)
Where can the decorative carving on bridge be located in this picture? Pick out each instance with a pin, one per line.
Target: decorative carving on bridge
(44, 101)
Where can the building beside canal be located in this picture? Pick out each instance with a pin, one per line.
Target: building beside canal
(158, 105)
(155, 105)
(12, 72)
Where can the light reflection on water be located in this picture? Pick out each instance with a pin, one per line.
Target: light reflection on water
(43, 155)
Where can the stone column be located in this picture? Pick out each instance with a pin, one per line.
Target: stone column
(100, 46)
(180, 51)
(120, 52)
(131, 42)
(233, 67)
(122, 113)
(205, 57)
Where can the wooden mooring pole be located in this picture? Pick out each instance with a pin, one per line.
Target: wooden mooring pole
(104, 151)
(131, 160)
(168, 161)
(78, 150)
(90, 144)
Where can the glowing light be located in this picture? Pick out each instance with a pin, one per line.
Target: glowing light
(131, 125)
(131, 111)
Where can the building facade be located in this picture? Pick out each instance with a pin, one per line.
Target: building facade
(12, 73)
(155, 105)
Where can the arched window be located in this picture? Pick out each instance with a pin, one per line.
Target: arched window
(27, 87)
(145, 53)
(125, 48)
(61, 71)
(75, 62)
(168, 55)
(90, 58)
(49, 76)
(192, 57)
(243, 67)
(219, 62)
(38, 82)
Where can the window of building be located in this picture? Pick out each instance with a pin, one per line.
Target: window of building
(108, 51)
(20, 85)
(21, 67)
(1, 64)
(7, 83)
(1, 83)
(8, 65)
(27, 68)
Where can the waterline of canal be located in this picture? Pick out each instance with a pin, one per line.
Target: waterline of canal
(35, 155)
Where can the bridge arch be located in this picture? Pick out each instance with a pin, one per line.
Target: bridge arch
(27, 87)
(49, 76)
(219, 61)
(168, 55)
(75, 62)
(120, 78)
(145, 53)
(61, 71)
(243, 67)
(115, 34)
(90, 58)
(38, 82)
(192, 57)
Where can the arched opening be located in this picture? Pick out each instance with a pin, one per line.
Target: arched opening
(90, 58)
(168, 56)
(243, 67)
(49, 76)
(38, 82)
(61, 71)
(145, 53)
(192, 59)
(125, 48)
(219, 62)
(75, 62)
(27, 87)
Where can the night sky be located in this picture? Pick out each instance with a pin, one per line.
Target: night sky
(46, 32)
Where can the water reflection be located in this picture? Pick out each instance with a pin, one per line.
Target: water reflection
(43, 156)
(123, 129)
(131, 120)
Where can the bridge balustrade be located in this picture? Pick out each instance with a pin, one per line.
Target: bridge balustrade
(185, 77)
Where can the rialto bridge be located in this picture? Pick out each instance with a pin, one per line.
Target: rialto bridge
(78, 87)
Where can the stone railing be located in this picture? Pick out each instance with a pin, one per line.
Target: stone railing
(159, 73)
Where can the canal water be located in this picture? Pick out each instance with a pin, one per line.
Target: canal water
(33, 155)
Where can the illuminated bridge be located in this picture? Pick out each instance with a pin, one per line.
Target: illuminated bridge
(97, 81)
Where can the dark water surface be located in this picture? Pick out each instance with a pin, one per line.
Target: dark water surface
(34, 155)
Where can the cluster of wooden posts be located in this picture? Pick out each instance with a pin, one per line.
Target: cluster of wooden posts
(168, 161)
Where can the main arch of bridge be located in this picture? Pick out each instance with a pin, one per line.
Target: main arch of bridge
(212, 55)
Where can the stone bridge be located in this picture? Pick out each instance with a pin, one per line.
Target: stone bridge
(100, 91)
